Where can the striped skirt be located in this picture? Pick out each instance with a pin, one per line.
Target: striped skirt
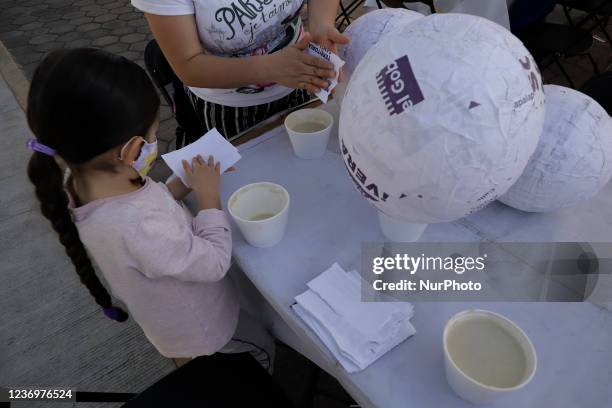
(231, 121)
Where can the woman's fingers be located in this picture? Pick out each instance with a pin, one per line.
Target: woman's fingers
(309, 87)
(323, 73)
(211, 161)
(317, 62)
(321, 83)
(317, 75)
(337, 38)
(315, 81)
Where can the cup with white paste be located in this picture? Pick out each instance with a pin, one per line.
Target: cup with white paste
(309, 131)
(486, 356)
(261, 211)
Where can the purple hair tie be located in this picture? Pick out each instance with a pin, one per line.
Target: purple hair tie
(115, 313)
(111, 313)
(33, 145)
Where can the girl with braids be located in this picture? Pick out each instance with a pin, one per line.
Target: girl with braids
(97, 114)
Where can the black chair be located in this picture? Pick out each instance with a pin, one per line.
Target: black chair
(525, 13)
(344, 15)
(600, 88)
(429, 3)
(188, 127)
(219, 380)
(550, 43)
(597, 12)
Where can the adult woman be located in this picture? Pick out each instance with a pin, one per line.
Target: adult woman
(203, 38)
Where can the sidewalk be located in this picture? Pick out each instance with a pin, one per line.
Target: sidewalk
(30, 29)
(51, 331)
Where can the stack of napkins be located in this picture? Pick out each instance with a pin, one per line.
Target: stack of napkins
(212, 143)
(356, 332)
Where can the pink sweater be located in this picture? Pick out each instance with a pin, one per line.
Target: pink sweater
(166, 266)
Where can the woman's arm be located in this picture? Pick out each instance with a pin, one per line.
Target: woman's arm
(178, 38)
(321, 20)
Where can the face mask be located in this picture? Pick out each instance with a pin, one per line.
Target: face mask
(144, 161)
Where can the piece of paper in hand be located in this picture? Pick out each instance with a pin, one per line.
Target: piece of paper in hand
(212, 143)
(320, 52)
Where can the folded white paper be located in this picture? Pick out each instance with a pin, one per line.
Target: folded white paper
(357, 333)
(351, 361)
(320, 52)
(212, 143)
(342, 292)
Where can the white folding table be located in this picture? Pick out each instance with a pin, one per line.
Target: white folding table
(329, 220)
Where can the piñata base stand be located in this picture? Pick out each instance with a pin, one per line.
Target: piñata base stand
(398, 230)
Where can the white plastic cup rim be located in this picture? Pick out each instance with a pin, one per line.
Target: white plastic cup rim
(309, 145)
(249, 186)
(517, 331)
(305, 113)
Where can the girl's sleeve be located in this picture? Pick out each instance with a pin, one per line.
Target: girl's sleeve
(165, 7)
(159, 247)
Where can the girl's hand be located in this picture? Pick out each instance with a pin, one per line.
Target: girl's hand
(176, 187)
(329, 37)
(203, 177)
(293, 68)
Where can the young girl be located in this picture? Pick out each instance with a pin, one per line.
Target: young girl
(97, 114)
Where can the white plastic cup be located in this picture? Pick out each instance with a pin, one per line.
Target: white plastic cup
(261, 211)
(464, 384)
(398, 230)
(309, 131)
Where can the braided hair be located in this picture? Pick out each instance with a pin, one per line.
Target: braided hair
(82, 103)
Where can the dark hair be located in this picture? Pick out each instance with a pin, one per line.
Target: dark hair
(82, 103)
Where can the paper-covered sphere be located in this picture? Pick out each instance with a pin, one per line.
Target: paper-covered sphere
(573, 160)
(368, 29)
(441, 118)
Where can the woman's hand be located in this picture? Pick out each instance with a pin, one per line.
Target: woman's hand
(329, 37)
(293, 68)
(203, 177)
